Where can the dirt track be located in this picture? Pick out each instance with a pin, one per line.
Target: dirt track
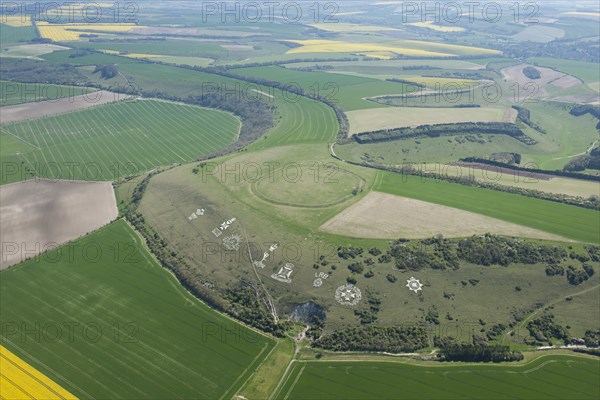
(37, 214)
(21, 112)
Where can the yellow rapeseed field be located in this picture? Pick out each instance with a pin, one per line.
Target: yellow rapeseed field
(413, 48)
(72, 32)
(19, 380)
(15, 20)
(334, 46)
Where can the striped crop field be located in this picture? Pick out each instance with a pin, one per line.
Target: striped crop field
(110, 141)
(301, 121)
(19, 380)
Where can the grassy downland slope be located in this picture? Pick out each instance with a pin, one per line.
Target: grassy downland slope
(136, 333)
(16, 34)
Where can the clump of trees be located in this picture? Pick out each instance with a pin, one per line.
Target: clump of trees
(393, 339)
(590, 160)
(491, 249)
(555, 269)
(477, 352)
(437, 130)
(532, 72)
(524, 115)
(349, 252)
(592, 338)
(577, 276)
(435, 253)
(583, 109)
(107, 71)
(544, 329)
(440, 253)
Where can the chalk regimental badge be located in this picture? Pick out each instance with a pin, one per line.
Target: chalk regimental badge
(348, 295)
(414, 284)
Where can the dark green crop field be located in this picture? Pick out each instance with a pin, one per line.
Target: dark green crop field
(103, 319)
(551, 377)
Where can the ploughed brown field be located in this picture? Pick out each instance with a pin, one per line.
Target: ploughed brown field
(38, 109)
(38, 215)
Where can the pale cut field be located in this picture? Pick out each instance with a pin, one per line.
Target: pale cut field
(539, 34)
(570, 187)
(583, 14)
(19, 380)
(25, 111)
(353, 28)
(438, 28)
(442, 83)
(548, 77)
(400, 117)
(31, 50)
(42, 214)
(15, 20)
(386, 216)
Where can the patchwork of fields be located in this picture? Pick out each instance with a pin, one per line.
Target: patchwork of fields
(100, 317)
(347, 91)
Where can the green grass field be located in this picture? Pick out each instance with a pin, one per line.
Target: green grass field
(553, 377)
(133, 135)
(346, 90)
(586, 71)
(135, 331)
(17, 92)
(16, 34)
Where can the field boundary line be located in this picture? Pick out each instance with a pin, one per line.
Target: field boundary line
(537, 355)
(298, 375)
(257, 368)
(234, 384)
(284, 378)
(20, 139)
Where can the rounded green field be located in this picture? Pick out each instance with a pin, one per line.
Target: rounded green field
(308, 185)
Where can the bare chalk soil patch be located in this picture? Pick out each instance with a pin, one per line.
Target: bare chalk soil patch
(38, 109)
(386, 216)
(398, 117)
(39, 214)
